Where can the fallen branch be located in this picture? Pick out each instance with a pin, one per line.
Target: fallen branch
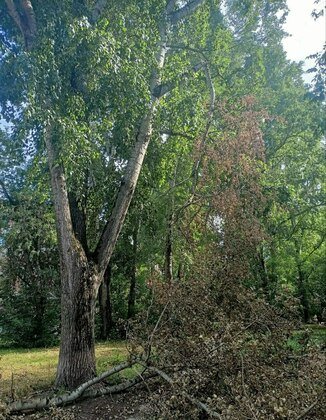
(307, 410)
(190, 398)
(115, 389)
(69, 397)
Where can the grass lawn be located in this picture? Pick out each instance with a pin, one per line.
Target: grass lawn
(317, 336)
(26, 371)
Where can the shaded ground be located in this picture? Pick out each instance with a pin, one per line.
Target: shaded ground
(126, 406)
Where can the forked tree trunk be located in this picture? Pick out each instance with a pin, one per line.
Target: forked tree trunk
(79, 278)
(82, 273)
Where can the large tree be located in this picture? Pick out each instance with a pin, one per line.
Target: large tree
(89, 80)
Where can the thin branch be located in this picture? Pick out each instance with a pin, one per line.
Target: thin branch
(189, 397)
(171, 133)
(185, 11)
(307, 411)
(154, 331)
(167, 87)
(210, 114)
(234, 336)
(316, 247)
(170, 6)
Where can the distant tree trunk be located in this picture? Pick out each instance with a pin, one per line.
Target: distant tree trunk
(105, 305)
(133, 272)
(302, 289)
(262, 270)
(180, 272)
(40, 307)
(168, 263)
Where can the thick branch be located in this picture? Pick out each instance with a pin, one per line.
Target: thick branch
(46, 402)
(27, 26)
(60, 196)
(15, 15)
(113, 227)
(31, 29)
(7, 194)
(185, 11)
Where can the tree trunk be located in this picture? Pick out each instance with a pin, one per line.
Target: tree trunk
(303, 294)
(77, 349)
(302, 287)
(132, 274)
(262, 272)
(106, 305)
(78, 280)
(168, 263)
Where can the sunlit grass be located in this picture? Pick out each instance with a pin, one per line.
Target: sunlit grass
(27, 371)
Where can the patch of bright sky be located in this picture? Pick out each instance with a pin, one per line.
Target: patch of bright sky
(308, 36)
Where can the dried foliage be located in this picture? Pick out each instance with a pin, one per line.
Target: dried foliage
(223, 351)
(229, 350)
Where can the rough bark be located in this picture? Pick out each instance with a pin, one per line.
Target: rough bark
(77, 351)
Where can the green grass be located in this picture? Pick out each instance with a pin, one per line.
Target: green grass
(24, 372)
(317, 336)
(27, 371)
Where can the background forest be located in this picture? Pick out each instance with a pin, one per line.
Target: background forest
(228, 210)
